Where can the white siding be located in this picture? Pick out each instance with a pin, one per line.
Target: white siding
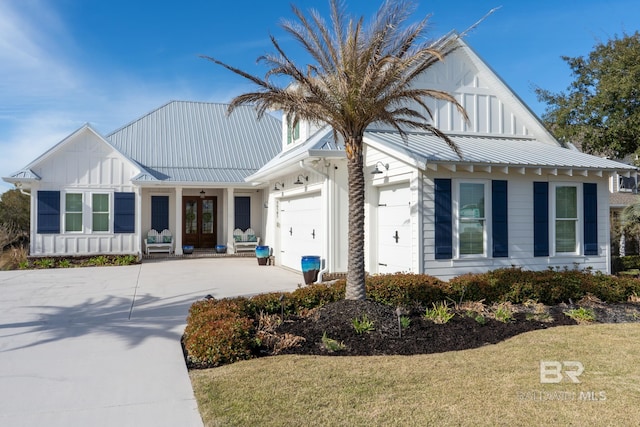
(84, 163)
(520, 217)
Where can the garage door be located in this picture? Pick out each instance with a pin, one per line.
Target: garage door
(394, 229)
(300, 229)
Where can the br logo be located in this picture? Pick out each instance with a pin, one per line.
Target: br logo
(552, 372)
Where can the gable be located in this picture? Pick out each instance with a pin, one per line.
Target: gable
(493, 108)
(84, 159)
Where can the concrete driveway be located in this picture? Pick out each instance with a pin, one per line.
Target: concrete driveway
(100, 346)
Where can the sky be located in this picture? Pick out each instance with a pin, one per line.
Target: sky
(64, 63)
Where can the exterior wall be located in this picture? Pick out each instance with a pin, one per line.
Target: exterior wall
(397, 173)
(520, 227)
(84, 164)
(331, 183)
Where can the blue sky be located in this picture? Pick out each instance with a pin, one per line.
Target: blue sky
(64, 63)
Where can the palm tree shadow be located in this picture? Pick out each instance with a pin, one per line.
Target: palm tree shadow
(132, 322)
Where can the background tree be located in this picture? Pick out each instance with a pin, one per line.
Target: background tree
(601, 108)
(358, 75)
(14, 218)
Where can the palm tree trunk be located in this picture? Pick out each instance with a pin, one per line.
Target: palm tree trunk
(355, 274)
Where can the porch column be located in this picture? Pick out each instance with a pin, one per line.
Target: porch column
(178, 223)
(229, 218)
(138, 226)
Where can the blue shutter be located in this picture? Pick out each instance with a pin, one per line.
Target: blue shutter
(160, 213)
(443, 232)
(48, 212)
(541, 219)
(124, 218)
(242, 209)
(590, 201)
(500, 228)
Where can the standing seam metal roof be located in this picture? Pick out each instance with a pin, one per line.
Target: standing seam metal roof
(499, 151)
(186, 141)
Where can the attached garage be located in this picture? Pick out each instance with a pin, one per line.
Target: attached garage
(300, 229)
(394, 229)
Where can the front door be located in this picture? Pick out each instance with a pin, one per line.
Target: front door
(200, 222)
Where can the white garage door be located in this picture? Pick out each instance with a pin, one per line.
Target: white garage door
(394, 229)
(300, 229)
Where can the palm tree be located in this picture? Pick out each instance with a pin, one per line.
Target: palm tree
(359, 75)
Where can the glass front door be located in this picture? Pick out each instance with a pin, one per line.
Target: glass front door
(199, 219)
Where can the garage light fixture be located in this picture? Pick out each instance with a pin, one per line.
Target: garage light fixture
(277, 186)
(299, 182)
(377, 171)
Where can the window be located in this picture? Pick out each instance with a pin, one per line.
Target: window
(566, 219)
(478, 212)
(100, 209)
(293, 134)
(471, 219)
(73, 212)
(626, 184)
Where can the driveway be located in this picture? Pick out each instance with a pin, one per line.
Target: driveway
(100, 346)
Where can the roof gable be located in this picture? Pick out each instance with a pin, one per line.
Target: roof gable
(84, 140)
(493, 108)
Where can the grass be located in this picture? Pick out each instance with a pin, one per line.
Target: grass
(581, 315)
(492, 385)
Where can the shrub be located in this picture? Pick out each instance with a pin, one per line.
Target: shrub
(270, 303)
(317, 295)
(217, 332)
(405, 289)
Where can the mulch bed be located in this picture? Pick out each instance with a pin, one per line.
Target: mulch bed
(424, 336)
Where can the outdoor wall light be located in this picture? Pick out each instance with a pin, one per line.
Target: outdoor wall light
(377, 171)
(299, 182)
(202, 193)
(278, 186)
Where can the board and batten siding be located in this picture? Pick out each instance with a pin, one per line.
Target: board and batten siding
(520, 227)
(85, 164)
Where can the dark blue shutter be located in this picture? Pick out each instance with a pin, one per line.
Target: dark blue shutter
(590, 199)
(443, 235)
(48, 212)
(160, 213)
(541, 219)
(500, 229)
(242, 209)
(124, 218)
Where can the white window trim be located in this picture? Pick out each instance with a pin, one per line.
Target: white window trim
(579, 221)
(455, 198)
(87, 211)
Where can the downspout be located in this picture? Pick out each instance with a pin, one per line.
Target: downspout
(19, 187)
(306, 167)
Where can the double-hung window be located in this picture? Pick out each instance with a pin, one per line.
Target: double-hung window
(100, 212)
(472, 221)
(73, 205)
(566, 219)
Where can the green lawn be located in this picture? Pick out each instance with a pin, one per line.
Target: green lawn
(494, 385)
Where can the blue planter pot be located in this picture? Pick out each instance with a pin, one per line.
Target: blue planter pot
(310, 268)
(221, 249)
(187, 249)
(262, 253)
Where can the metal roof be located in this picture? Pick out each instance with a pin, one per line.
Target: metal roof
(320, 144)
(493, 151)
(198, 142)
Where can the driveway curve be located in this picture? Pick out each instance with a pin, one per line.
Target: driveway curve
(100, 346)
